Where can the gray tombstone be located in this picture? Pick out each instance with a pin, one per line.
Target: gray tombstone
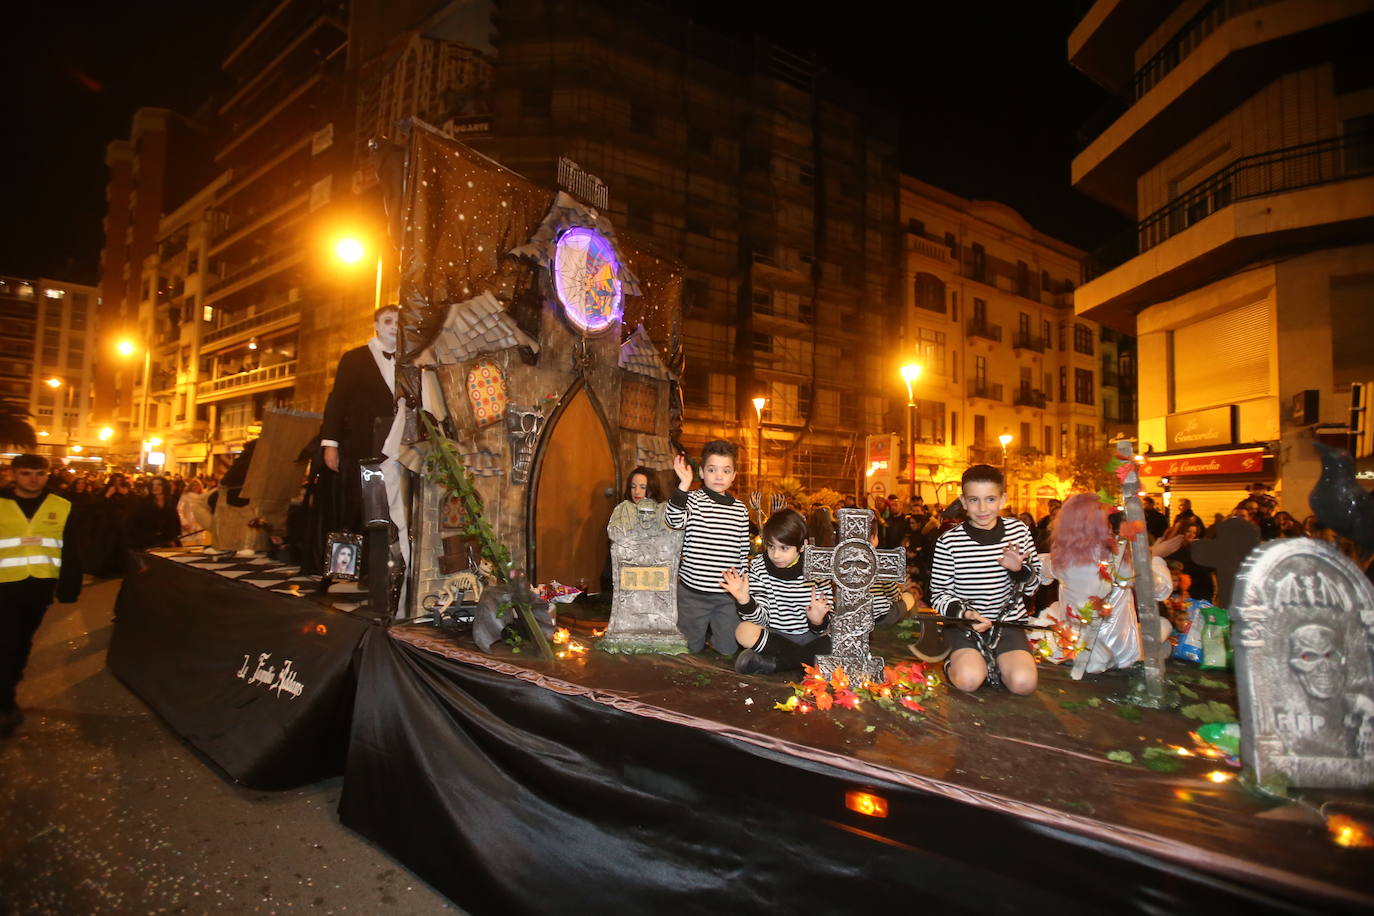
(854, 566)
(1304, 646)
(644, 557)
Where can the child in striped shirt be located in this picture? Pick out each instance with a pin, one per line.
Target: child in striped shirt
(782, 614)
(980, 571)
(715, 538)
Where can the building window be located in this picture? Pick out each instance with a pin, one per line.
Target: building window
(1082, 339)
(536, 102)
(699, 141)
(1023, 286)
(930, 422)
(954, 428)
(1047, 442)
(1063, 383)
(1083, 386)
(953, 245)
(980, 313)
(1045, 335)
(875, 409)
(978, 263)
(1063, 440)
(1048, 389)
(930, 350)
(763, 343)
(980, 430)
(930, 293)
(1085, 437)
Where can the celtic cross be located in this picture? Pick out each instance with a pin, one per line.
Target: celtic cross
(854, 566)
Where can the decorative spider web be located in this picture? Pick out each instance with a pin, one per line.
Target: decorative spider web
(585, 277)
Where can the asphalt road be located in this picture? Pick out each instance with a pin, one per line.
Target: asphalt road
(103, 810)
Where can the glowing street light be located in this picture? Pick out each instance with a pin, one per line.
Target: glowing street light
(53, 382)
(910, 373)
(106, 434)
(758, 462)
(349, 250)
(126, 348)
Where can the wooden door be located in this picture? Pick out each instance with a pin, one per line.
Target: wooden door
(577, 470)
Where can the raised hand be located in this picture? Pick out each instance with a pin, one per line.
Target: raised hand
(1012, 558)
(683, 470)
(737, 584)
(817, 610)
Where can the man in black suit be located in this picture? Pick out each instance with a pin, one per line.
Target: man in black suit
(358, 417)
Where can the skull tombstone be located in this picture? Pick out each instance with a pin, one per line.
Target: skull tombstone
(1304, 644)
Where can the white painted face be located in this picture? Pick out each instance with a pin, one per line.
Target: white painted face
(386, 330)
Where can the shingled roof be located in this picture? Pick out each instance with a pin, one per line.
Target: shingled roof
(473, 327)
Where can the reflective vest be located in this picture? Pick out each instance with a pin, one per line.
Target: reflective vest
(32, 546)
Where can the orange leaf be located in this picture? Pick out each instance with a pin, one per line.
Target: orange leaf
(824, 701)
(839, 680)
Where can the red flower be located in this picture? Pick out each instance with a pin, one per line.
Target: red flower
(1129, 529)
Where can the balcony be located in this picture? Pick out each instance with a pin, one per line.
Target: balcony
(273, 261)
(1313, 194)
(986, 331)
(1029, 397)
(1031, 343)
(990, 391)
(934, 251)
(1215, 62)
(271, 319)
(282, 375)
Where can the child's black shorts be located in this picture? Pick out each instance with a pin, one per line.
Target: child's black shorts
(957, 638)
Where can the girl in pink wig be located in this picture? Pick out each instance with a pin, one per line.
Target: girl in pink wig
(1091, 566)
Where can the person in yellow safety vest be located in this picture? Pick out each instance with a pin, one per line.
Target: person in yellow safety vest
(37, 562)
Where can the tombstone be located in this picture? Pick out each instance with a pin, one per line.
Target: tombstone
(1303, 633)
(854, 565)
(644, 557)
(1230, 543)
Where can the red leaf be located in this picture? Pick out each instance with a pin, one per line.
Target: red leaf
(909, 703)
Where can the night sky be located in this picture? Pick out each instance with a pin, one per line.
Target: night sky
(987, 104)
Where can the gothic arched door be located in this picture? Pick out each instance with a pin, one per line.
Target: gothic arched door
(573, 498)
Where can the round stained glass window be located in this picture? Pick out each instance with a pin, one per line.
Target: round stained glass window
(586, 279)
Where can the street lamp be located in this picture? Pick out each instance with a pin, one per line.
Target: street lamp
(758, 461)
(1005, 439)
(128, 348)
(55, 383)
(351, 250)
(910, 373)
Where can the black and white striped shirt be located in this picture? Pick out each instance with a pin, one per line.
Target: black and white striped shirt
(715, 536)
(778, 598)
(965, 571)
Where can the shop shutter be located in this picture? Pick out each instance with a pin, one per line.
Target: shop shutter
(1223, 359)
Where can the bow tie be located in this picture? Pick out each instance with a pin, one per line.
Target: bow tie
(388, 355)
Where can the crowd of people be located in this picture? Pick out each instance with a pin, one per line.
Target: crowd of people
(118, 511)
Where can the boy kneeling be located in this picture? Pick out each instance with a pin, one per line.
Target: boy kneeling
(980, 572)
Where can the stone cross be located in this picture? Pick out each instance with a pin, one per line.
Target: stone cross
(854, 565)
(1303, 635)
(1151, 646)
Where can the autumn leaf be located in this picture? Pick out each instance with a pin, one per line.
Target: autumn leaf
(789, 706)
(909, 703)
(824, 701)
(839, 680)
(847, 698)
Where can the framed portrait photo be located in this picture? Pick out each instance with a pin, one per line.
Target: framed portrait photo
(344, 552)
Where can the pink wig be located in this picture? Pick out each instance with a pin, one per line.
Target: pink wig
(1080, 534)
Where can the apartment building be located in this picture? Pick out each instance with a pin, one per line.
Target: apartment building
(767, 178)
(1244, 148)
(988, 317)
(162, 163)
(47, 332)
